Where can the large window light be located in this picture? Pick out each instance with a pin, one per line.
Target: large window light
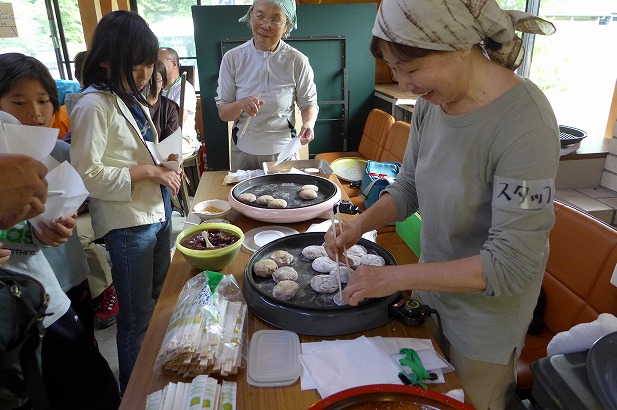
(575, 66)
(172, 22)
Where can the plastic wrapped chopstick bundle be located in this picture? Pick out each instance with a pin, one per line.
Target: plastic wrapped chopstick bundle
(208, 331)
(227, 399)
(202, 393)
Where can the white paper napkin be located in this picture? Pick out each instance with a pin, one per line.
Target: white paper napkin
(325, 225)
(37, 142)
(346, 364)
(170, 145)
(290, 149)
(390, 347)
(62, 177)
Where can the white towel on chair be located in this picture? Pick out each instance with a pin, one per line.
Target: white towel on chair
(582, 336)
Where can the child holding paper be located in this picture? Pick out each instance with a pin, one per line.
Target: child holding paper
(74, 371)
(129, 194)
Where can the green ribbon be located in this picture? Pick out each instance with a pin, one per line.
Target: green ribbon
(418, 372)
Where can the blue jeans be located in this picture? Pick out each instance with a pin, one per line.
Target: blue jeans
(140, 257)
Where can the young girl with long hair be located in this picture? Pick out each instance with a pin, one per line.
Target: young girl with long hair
(129, 194)
(75, 373)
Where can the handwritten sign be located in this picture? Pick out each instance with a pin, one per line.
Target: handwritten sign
(535, 194)
(8, 28)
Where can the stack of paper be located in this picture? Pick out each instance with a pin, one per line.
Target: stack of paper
(38, 142)
(333, 366)
(242, 175)
(168, 152)
(325, 226)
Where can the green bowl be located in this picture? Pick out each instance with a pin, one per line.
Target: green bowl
(214, 259)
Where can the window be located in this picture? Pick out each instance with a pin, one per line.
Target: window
(172, 22)
(39, 39)
(574, 67)
(34, 35)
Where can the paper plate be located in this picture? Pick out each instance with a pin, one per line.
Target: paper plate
(349, 168)
(272, 232)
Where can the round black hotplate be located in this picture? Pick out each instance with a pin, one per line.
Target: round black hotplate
(310, 312)
(287, 187)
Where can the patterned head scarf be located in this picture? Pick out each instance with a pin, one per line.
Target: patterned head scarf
(287, 6)
(451, 25)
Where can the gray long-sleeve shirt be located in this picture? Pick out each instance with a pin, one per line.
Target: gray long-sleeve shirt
(484, 183)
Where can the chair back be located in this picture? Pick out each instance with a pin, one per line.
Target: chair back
(581, 261)
(376, 128)
(577, 282)
(396, 142)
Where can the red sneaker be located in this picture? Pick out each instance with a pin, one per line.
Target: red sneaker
(106, 310)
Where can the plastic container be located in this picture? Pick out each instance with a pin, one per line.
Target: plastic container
(273, 358)
(409, 231)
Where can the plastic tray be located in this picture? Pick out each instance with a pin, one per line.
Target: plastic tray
(273, 358)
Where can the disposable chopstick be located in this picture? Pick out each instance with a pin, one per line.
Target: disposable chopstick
(344, 247)
(338, 276)
(248, 121)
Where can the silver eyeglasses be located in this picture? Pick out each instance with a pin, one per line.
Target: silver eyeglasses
(261, 20)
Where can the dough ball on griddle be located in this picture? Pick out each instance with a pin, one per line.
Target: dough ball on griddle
(323, 264)
(370, 259)
(344, 271)
(282, 258)
(313, 252)
(247, 197)
(311, 187)
(308, 194)
(356, 251)
(285, 273)
(324, 283)
(352, 261)
(285, 290)
(264, 268)
(264, 199)
(277, 203)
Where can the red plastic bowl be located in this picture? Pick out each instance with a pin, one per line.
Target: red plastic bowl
(388, 396)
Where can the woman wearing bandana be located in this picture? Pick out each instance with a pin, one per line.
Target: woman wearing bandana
(259, 82)
(480, 168)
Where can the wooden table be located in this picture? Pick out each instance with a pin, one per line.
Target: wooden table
(145, 381)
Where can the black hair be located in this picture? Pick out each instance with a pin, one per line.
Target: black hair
(122, 40)
(401, 51)
(16, 67)
(159, 68)
(162, 70)
(79, 64)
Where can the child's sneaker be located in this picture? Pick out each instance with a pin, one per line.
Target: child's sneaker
(105, 308)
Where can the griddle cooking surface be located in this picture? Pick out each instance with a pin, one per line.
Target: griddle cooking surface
(287, 187)
(306, 297)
